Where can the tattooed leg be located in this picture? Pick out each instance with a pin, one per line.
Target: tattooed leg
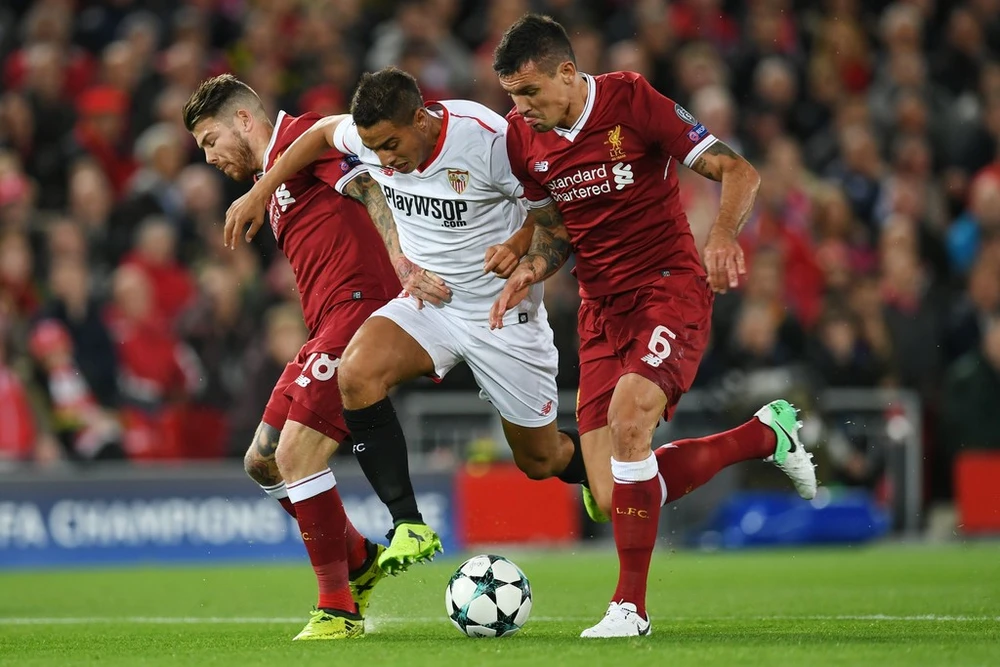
(259, 461)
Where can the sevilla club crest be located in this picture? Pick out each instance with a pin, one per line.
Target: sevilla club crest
(458, 179)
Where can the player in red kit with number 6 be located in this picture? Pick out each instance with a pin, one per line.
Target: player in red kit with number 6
(597, 156)
(342, 275)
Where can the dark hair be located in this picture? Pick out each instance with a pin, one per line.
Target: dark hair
(216, 96)
(389, 94)
(533, 39)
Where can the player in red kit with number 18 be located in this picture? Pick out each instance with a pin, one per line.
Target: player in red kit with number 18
(598, 156)
(342, 275)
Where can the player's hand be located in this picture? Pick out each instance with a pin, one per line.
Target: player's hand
(723, 260)
(248, 209)
(513, 293)
(501, 260)
(421, 284)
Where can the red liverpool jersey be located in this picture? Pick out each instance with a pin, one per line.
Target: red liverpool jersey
(331, 243)
(614, 177)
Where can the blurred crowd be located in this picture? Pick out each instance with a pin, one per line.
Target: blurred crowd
(127, 331)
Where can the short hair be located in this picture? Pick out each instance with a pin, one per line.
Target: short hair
(533, 38)
(389, 94)
(218, 97)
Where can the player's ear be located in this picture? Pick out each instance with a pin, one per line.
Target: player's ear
(567, 72)
(244, 120)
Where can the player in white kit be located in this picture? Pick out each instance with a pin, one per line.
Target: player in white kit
(459, 230)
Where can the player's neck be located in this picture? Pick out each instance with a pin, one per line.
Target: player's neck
(259, 143)
(434, 125)
(577, 102)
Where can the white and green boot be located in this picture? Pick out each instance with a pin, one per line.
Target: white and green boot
(790, 456)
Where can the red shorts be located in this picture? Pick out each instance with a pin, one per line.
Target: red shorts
(307, 391)
(659, 331)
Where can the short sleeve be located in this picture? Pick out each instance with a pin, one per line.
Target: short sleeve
(501, 174)
(534, 192)
(335, 167)
(669, 125)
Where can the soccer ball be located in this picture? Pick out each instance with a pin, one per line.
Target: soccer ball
(488, 596)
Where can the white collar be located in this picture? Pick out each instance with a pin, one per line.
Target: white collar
(571, 133)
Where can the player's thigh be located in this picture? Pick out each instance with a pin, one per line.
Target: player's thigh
(664, 337)
(636, 407)
(600, 368)
(515, 368)
(399, 342)
(303, 450)
(536, 449)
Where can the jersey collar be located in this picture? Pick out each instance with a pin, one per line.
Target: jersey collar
(440, 142)
(271, 142)
(572, 132)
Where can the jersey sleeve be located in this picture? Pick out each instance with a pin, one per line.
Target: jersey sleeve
(534, 193)
(335, 168)
(501, 174)
(347, 140)
(668, 125)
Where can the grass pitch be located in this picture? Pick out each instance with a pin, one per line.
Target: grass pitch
(888, 605)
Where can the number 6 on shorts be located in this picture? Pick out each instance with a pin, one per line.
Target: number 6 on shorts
(659, 345)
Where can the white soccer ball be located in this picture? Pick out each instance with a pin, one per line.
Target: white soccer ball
(488, 596)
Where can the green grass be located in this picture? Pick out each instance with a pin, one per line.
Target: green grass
(884, 606)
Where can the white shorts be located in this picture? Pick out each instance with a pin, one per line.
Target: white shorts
(515, 367)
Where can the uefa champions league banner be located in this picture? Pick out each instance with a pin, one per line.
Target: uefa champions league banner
(177, 515)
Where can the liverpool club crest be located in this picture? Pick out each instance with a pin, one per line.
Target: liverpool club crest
(458, 179)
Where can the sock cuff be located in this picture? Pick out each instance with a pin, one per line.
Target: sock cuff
(631, 472)
(311, 486)
(278, 491)
(375, 415)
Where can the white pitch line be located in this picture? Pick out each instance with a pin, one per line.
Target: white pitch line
(275, 620)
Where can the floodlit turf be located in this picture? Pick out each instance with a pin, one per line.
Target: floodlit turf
(882, 606)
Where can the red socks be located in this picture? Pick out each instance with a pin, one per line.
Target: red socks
(635, 517)
(323, 523)
(687, 464)
(357, 547)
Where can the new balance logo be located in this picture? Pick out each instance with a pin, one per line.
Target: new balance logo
(546, 409)
(542, 166)
(652, 360)
(302, 381)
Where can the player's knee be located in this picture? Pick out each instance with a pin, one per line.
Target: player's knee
(357, 378)
(535, 465)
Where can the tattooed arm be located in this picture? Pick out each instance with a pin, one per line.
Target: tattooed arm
(550, 245)
(421, 284)
(739, 184)
(723, 256)
(364, 188)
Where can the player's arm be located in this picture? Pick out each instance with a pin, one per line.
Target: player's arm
(306, 149)
(364, 189)
(420, 284)
(503, 258)
(740, 181)
(550, 245)
(549, 250)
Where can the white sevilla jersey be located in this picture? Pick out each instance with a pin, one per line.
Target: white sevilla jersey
(455, 205)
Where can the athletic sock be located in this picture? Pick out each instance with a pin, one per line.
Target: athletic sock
(323, 523)
(280, 493)
(635, 517)
(687, 464)
(380, 448)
